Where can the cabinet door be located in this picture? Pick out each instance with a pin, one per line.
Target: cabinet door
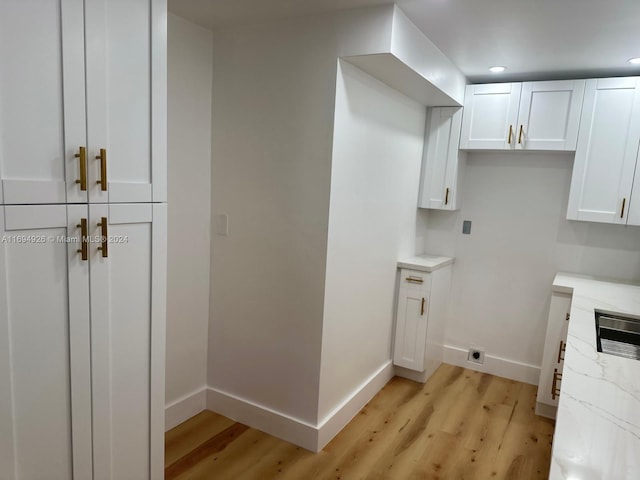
(128, 276)
(45, 399)
(607, 149)
(555, 341)
(440, 159)
(490, 116)
(411, 320)
(634, 205)
(549, 115)
(42, 98)
(126, 100)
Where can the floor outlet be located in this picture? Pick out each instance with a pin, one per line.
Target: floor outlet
(476, 355)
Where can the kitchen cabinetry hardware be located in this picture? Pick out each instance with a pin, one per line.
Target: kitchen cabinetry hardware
(82, 156)
(561, 349)
(624, 201)
(555, 389)
(567, 317)
(414, 279)
(84, 250)
(520, 135)
(510, 134)
(103, 169)
(446, 196)
(422, 307)
(104, 239)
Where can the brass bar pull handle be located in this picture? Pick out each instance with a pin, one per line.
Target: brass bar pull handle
(561, 349)
(84, 250)
(414, 280)
(82, 155)
(624, 201)
(520, 135)
(555, 389)
(422, 307)
(103, 169)
(446, 196)
(510, 134)
(104, 237)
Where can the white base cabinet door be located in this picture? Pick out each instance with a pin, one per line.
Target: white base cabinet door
(607, 151)
(128, 278)
(421, 314)
(553, 356)
(82, 341)
(45, 399)
(442, 161)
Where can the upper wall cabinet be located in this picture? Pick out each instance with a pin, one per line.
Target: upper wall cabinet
(442, 161)
(522, 116)
(603, 172)
(84, 101)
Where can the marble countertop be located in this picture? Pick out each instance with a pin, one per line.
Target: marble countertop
(597, 435)
(425, 263)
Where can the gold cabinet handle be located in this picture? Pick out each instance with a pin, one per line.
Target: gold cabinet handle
(520, 135)
(624, 201)
(561, 350)
(104, 240)
(84, 250)
(555, 389)
(510, 134)
(422, 307)
(82, 155)
(103, 169)
(446, 196)
(414, 280)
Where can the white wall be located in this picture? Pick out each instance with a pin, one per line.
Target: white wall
(519, 240)
(377, 152)
(189, 145)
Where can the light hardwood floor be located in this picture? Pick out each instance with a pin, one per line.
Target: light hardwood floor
(461, 424)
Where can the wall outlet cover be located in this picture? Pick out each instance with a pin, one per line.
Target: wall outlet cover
(476, 355)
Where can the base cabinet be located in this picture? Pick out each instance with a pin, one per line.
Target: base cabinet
(420, 322)
(82, 294)
(553, 356)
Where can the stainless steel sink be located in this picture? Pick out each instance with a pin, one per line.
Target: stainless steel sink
(618, 334)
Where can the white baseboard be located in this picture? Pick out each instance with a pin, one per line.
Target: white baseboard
(294, 430)
(184, 408)
(336, 420)
(498, 366)
(262, 418)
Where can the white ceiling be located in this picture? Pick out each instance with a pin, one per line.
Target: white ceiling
(534, 39)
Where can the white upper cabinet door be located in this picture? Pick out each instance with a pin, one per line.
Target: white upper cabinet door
(549, 115)
(607, 150)
(490, 116)
(634, 204)
(126, 100)
(42, 101)
(45, 378)
(441, 159)
(128, 275)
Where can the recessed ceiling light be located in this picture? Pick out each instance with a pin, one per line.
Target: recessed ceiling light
(634, 61)
(498, 69)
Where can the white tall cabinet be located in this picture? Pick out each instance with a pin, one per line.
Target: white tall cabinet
(83, 239)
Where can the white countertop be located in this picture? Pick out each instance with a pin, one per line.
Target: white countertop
(426, 263)
(597, 435)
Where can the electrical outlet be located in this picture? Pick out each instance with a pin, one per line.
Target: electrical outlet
(476, 355)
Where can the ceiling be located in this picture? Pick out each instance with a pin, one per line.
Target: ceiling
(534, 39)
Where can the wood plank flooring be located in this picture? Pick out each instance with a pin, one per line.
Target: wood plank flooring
(461, 424)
